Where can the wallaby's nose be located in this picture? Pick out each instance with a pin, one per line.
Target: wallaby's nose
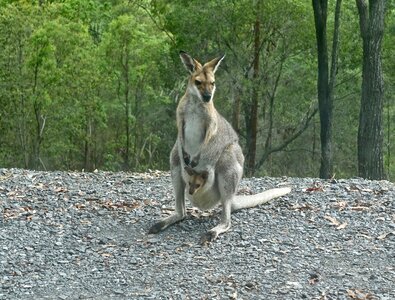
(206, 97)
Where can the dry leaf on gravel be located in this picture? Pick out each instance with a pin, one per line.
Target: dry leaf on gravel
(198, 213)
(301, 207)
(341, 205)
(315, 188)
(384, 235)
(359, 295)
(342, 226)
(333, 220)
(314, 278)
(359, 208)
(358, 188)
(60, 190)
(121, 205)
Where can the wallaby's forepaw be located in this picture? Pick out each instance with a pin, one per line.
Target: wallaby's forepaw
(208, 237)
(157, 227)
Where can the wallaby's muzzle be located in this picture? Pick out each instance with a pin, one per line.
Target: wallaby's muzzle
(206, 97)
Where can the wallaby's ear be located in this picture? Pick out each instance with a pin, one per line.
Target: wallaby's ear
(189, 170)
(189, 62)
(214, 64)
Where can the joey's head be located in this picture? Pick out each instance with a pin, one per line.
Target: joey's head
(202, 80)
(196, 179)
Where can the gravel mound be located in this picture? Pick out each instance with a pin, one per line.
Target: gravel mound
(69, 235)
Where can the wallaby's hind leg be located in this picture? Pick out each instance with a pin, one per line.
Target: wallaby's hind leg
(179, 188)
(223, 226)
(229, 173)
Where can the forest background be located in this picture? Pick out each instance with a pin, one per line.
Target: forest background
(94, 84)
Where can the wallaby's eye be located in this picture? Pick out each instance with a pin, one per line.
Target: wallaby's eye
(197, 186)
(198, 82)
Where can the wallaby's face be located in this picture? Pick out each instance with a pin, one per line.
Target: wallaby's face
(195, 183)
(202, 80)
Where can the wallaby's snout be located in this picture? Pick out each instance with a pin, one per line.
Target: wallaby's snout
(206, 96)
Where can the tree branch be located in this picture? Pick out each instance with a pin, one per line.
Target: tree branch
(303, 125)
(335, 48)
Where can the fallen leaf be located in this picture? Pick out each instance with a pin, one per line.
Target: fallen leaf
(359, 295)
(359, 189)
(359, 208)
(341, 205)
(314, 278)
(381, 192)
(342, 226)
(384, 235)
(301, 207)
(79, 206)
(332, 220)
(233, 296)
(315, 189)
(60, 190)
(351, 294)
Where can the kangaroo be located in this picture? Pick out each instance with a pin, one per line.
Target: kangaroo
(209, 141)
(196, 181)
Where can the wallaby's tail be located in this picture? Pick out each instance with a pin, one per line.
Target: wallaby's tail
(246, 201)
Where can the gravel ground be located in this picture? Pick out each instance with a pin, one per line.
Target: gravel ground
(69, 235)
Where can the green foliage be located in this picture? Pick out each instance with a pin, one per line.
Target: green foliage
(94, 84)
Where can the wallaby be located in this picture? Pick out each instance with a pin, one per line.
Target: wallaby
(196, 181)
(209, 141)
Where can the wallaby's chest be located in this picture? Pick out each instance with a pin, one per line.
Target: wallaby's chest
(195, 119)
(194, 131)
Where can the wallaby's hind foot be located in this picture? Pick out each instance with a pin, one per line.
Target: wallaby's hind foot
(208, 237)
(166, 222)
(157, 227)
(213, 233)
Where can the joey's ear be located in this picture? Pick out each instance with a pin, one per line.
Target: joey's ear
(214, 64)
(204, 175)
(189, 62)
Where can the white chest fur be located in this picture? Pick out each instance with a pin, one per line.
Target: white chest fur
(193, 134)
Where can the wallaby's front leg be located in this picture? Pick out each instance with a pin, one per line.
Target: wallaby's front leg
(179, 193)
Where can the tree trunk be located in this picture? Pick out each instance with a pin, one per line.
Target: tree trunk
(21, 109)
(325, 107)
(236, 111)
(325, 86)
(127, 108)
(88, 146)
(253, 124)
(370, 131)
(40, 122)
